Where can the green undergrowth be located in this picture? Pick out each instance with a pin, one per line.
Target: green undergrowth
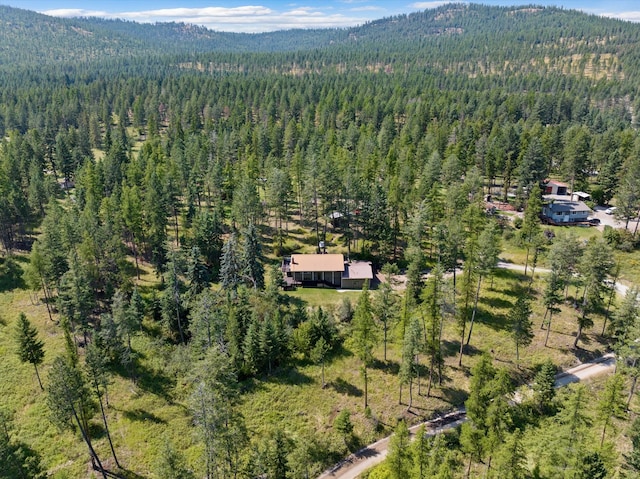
(152, 408)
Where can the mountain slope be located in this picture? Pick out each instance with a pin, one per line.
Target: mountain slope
(468, 39)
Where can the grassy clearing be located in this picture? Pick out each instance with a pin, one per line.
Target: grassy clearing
(143, 415)
(155, 408)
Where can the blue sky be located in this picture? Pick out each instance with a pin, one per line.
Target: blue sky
(269, 15)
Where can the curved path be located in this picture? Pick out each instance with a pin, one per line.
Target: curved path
(369, 456)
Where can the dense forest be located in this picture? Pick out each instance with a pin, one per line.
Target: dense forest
(152, 177)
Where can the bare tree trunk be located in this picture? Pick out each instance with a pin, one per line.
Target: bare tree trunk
(106, 429)
(632, 390)
(46, 297)
(87, 440)
(546, 338)
(578, 334)
(38, 376)
(543, 318)
(475, 308)
(431, 375)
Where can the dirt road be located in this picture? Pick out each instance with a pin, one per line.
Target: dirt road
(373, 454)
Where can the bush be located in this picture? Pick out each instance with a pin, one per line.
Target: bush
(620, 239)
(517, 222)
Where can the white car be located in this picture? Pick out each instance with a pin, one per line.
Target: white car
(610, 211)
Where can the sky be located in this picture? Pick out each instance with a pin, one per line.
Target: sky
(254, 16)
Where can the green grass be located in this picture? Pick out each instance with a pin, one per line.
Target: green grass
(323, 296)
(143, 415)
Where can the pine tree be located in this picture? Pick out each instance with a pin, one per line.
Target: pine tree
(486, 259)
(512, 460)
(544, 386)
(96, 369)
(611, 404)
(171, 464)
(364, 335)
(251, 260)
(68, 401)
(410, 350)
(521, 325)
(399, 456)
(230, 266)
(551, 299)
(385, 306)
(30, 348)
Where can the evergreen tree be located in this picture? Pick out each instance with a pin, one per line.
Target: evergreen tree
(385, 304)
(30, 348)
(544, 387)
(411, 348)
(512, 460)
(214, 406)
(251, 259)
(486, 259)
(171, 464)
(611, 404)
(521, 325)
(531, 224)
(68, 401)
(399, 456)
(230, 265)
(364, 335)
(551, 298)
(96, 369)
(595, 265)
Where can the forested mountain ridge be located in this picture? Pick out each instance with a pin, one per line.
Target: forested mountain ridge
(462, 38)
(29, 38)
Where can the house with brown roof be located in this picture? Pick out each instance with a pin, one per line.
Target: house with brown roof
(552, 187)
(325, 270)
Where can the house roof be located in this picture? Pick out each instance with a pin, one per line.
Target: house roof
(582, 195)
(358, 270)
(556, 183)
(559, 206)
(316, 262)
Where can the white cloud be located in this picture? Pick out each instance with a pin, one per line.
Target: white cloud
(249, 18)
(76, 12)
(632, 16)
(367, 8)
(426, 5)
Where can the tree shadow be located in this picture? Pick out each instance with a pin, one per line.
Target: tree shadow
(452, 348)
(127, 474)
(10, 275)
(585, 355)
(140, 415)
(20, 460)
(154, 382)
(494, 302)
(506, 273)
(452, 395)
(250, 385)
(145, 378)
(96, 430)
(289, 376)
(495, 321)
(343, 387)
(391, 367)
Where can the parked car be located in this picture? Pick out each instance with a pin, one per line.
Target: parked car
(593, 221)
(611, 210)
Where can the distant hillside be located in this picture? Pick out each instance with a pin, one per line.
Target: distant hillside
(30, 38)
(472, 40)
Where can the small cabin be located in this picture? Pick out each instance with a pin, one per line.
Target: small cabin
(325, 270)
